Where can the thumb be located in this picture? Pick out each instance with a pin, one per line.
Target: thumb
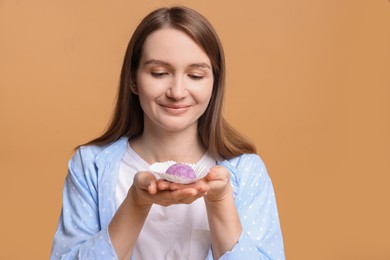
(217, 173)
(146, 181)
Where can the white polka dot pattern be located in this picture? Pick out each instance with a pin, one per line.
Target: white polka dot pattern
(89, 195)
(256, 204)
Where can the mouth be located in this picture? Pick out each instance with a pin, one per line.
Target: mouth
(175, 109)
(176, 106)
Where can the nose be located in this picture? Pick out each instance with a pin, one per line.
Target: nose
(177, 89)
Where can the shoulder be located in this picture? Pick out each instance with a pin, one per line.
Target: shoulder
(89, 161)
(92, 155)
(86, 155)
(244, 162)
(246, 168)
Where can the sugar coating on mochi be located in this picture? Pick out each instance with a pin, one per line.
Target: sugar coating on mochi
(181, 170)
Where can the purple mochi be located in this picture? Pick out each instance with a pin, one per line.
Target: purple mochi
(181, 170)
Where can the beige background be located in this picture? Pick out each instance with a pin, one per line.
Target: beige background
(308, 82)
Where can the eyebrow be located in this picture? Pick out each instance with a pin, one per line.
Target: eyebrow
(164, 63)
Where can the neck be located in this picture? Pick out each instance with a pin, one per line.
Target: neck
(159, 146)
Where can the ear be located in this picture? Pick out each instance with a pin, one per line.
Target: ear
(134, 88)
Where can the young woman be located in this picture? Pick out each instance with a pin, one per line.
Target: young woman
(169, 107)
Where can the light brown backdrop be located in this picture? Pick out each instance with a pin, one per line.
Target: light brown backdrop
(308, 82)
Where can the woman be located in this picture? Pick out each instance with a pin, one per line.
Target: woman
(169, 107)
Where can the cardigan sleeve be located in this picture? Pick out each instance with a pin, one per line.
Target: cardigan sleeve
(261, 236)
(79, 234)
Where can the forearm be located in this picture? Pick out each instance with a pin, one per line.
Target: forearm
(126, 226)
(224, 222)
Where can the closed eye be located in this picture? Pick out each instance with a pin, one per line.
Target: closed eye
(159, 74)
(195, 76)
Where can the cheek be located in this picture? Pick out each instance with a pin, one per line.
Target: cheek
(149, 89)
(205, 93)
(145, 97)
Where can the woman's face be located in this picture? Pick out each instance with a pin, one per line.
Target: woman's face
(174, 81)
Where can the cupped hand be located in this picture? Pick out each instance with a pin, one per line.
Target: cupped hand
(147, 190)
(216, 183)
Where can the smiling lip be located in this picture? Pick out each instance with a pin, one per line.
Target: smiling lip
(176, 109)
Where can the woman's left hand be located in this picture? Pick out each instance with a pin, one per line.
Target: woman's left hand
(216, 182)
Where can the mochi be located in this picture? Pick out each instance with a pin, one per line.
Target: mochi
(181, 170)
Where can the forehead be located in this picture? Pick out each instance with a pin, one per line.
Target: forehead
(173, 46)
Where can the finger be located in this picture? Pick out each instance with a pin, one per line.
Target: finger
(179, 186)
(217, 173)
(146, 181)
(189, 199)
(183, 196)
(163, 185)
(187, 194)
(200, 186)
(152, 188)
(179, 196)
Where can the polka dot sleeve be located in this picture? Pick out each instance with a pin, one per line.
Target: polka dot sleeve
(261, 236)
(79, 234)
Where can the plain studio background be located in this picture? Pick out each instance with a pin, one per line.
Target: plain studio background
(308, 82)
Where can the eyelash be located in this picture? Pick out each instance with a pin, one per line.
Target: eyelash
(158, 74)
(162, 74)
(195, 77)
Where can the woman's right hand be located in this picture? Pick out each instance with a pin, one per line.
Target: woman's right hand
(147, 190)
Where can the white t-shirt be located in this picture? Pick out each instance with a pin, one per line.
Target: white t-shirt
(175, 232)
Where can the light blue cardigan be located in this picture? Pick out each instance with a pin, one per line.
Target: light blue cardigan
(89, 205)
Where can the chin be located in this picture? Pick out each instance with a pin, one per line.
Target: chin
(177, 126)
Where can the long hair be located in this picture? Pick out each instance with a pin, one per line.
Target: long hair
(216, 135)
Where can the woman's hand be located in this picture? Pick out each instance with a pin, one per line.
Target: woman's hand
(224, 222)
(216, 183)
(218, 180)
(147, 190)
